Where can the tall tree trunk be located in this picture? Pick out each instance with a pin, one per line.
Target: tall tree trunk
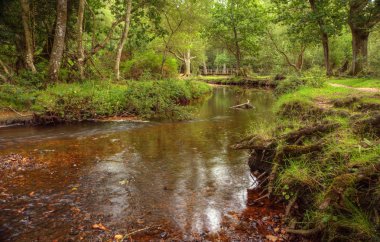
(326, 53)
(324, 38)
(237, 53)
(80, 50)
(123, 38)
(187, 60)
(205, 71)
(59, 41)
(28, 54)
(224, 69)
(299, 63)
(359, 49)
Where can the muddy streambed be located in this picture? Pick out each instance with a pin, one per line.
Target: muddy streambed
(156, 180)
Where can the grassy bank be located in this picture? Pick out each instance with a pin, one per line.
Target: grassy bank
(323, 160)
(95, 99)
(359, 82)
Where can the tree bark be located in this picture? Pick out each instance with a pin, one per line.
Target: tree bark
(359, 49)
(187, 60)
(80, 50)
(28, 55)
(205, 71)
(237, 53)
(363, 16)
(59, 41)
(123, 38)
(326, 53)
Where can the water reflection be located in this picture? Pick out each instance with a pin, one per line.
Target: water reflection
(181, 174)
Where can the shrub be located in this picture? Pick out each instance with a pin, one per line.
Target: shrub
(162, 98)
(314, 77)
(147, 66)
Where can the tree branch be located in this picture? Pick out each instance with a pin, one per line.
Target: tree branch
(282, 52)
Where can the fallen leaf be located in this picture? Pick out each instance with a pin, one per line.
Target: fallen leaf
(118, 237)
(140, 221)
(31, 194)
(123, 182)
(99, 226)
(271, 238)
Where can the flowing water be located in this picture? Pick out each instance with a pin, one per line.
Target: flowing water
(170, 179)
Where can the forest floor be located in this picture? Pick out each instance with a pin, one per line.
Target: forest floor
(323, 159)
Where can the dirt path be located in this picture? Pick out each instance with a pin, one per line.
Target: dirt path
(363, 89)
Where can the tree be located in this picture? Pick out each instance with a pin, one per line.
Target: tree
(80, 50)
(363, 15)
(59, 41)
(238, 25)
(184, 22)
(308, 21)
(298, 63)
(25, 13)
(124, 36)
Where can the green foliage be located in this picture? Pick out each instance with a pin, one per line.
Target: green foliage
(238, 23)
(147, 66)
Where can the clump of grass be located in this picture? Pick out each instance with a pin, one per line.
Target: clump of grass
(298, 173)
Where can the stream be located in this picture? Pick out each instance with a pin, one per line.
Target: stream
(170, 180)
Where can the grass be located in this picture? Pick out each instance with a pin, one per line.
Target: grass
(93, 99)
(358, 82)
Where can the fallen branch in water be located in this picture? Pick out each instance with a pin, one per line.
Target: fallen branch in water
(136, 231)
(246, 105)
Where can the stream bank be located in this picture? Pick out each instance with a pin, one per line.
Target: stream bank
(322, 159)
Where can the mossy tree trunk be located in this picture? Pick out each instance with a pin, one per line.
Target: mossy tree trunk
(59, 41)
(124, 37)
(80, 50)
(28, 37)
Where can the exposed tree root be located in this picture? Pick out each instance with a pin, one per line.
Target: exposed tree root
(308, 131)
(290, 205)
(306, 232)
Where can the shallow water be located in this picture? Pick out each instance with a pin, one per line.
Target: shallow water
(180, 178)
